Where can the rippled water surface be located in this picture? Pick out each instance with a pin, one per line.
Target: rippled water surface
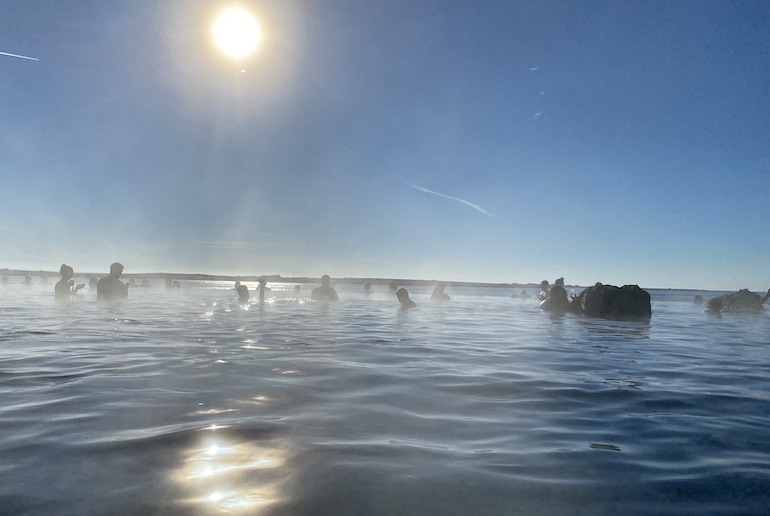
(185, 402)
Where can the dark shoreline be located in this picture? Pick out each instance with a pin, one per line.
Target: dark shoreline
(275, 278)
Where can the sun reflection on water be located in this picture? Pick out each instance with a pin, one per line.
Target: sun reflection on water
(213, 411)
(223, 475)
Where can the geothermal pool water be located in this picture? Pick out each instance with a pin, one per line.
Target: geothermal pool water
(185, 402)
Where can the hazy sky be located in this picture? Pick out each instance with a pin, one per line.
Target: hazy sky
(497, 141)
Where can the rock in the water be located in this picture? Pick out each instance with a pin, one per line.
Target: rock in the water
(741, 301)
(611, 302)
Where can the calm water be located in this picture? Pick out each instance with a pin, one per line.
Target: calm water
(184, 402)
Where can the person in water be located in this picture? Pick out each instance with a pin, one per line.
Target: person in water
(557, 302)
(28, 280)
(560, 282)
(324, 292)
(403, 297)
(439, 294)
(392, 288)
(261, 289)
(243, 292)
(367, 288)
(544, 292)
(65, 288)
(110, 287)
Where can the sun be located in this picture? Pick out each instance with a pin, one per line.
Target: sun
(236, 33)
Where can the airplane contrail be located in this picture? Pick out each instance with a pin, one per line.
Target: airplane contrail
(19, 56)
(463, 201)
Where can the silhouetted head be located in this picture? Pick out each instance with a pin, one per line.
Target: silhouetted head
(28, 279)
(403, 297)
(243, 293)
(116, 269)
(698, 300)
(544, 284)
(559, 281)
(392, 287)
(558, 293)
(66, 272)
(325, 279)
(262, 282)
(297, 288)
(367, 287)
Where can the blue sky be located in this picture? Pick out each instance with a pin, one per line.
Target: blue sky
(495, 141)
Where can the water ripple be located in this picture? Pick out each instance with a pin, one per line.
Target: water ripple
(187, 402)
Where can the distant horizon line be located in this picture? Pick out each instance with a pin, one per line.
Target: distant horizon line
(277, 278)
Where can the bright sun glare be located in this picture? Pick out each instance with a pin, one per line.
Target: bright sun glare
(236, 33)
